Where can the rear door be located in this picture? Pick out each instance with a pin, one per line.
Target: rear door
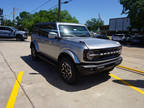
(5, 32)
(2, 32)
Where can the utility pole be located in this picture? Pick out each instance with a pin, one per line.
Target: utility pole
(14, 12)
(59, 10)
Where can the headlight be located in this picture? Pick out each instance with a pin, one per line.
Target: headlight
(89, 55)
(120, 50)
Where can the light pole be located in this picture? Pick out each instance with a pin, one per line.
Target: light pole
(59, 8)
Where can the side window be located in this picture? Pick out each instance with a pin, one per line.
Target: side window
(8, 29)
(45, 29)
(2, 28)
(52, 28)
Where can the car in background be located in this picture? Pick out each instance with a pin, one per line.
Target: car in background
(137, 39)
(11, 32)
(126, 38)
(101, 36)
(118, 37)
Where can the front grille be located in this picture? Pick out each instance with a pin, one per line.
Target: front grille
(108, 53)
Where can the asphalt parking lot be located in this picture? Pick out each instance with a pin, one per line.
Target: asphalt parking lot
(41, 87)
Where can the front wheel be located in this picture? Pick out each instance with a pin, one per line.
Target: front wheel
(19, 38)
(68, 71)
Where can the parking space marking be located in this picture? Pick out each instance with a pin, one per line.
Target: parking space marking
(126, 83)
(130, 69)
(15, 90)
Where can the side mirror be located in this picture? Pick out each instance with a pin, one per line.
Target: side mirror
(52, 35)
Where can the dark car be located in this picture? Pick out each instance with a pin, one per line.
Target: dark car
(126, 38)
(137, 39)
(101, 36)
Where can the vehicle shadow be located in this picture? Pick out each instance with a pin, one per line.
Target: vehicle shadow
(50, 73)
(136, 83)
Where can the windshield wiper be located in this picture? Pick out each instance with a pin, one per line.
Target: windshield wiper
(69, 36)
(84, 36)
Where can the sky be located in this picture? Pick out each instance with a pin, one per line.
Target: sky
(83, 10)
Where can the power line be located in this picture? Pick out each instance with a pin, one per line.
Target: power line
(52, 7)
(41, 5)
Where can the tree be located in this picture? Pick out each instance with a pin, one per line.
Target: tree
(7, 22)
(135, 11)
(94, 24)
(27, 20)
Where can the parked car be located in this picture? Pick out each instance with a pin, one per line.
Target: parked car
(118, 37)
(72, 48)
(126, 39)
(11, 32)
(137, 39)
(101, 36)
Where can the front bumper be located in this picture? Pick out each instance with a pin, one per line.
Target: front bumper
(25, 37)
(88, 68)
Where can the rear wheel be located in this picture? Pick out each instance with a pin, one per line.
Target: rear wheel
(68, 70)
(34, 53)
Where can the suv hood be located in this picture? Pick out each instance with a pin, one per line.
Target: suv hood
(20, 32)
(94, 43)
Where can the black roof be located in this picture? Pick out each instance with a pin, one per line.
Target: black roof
(45, 23)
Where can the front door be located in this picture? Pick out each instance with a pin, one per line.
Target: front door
(47, 45)
(51, 47)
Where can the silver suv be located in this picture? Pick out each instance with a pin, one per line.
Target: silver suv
(75, 52)
(11, 32)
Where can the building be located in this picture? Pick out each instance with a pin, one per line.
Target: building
(119, 24)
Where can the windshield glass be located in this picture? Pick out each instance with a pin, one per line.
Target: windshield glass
(119, 35)
(73, 31)
(14, 29)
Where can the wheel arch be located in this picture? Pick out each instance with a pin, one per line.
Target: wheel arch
(18, 35)
(70, 54)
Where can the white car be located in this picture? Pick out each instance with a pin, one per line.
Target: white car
(118, 37)
(11, 32)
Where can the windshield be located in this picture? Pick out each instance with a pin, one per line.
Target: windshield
(73, 31)
(14, 29)
(119, 35)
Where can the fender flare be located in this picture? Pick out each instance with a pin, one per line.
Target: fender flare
(72, 55)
